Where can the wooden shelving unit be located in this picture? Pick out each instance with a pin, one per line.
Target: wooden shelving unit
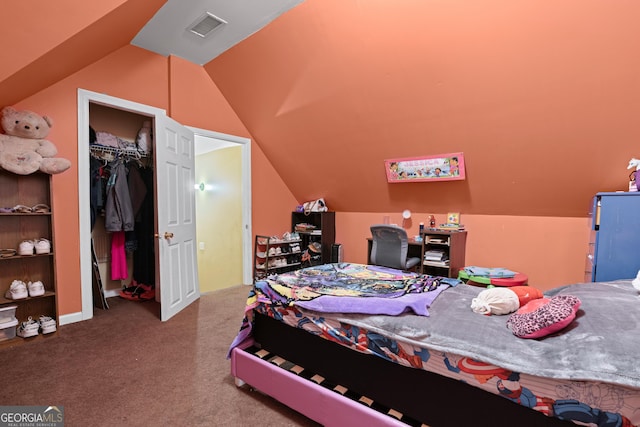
(451, 244)
(15, 227)
(324, 231)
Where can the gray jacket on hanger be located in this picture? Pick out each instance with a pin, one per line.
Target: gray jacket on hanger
(118, 210)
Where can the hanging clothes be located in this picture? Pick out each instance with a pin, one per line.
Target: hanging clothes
(118, 218)
(96, 189)
(119, 270)
(137, 191)
(144, 258)
(118, 209)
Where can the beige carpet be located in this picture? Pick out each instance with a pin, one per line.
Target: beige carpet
(125, 367)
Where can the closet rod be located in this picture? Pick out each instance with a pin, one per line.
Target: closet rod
(105, 152)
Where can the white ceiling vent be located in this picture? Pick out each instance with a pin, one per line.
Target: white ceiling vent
(206, 24)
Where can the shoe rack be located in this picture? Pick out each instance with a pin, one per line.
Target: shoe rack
(275, 255)
(18, 224)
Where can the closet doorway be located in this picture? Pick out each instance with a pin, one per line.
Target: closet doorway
(159, 121)
(172, 233)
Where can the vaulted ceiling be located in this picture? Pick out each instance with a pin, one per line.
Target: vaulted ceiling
(542, 98)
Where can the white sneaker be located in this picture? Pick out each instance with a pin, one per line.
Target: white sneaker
(47, 324)
(25, 247)
(28, 329)
(42, 246)
(17, 290)
(36, 289)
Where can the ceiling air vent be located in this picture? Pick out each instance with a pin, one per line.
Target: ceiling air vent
(206, 24)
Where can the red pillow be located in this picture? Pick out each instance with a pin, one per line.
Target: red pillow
(543, 316)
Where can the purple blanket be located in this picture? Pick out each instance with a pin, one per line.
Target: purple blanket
(417, 302)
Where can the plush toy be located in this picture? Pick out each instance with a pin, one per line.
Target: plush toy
(544, 316)
(504, 300)
(23, 147)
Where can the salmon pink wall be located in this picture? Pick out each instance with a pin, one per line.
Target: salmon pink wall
(140, 76)
(272, 200)
(47, 43)
(196, 101)
(551, 251)
(541, 97)
(48, 21)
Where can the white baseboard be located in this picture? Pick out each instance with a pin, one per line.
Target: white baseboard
(66, 319)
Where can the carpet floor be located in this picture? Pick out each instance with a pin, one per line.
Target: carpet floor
(125, 367)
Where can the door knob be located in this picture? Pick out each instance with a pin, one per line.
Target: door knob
(167, 235)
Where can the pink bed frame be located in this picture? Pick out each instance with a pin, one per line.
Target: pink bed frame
(327, 407)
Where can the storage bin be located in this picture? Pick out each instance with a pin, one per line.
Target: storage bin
(8, 330)
(7, 314)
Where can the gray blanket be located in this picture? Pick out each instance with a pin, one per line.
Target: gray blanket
(601, 344)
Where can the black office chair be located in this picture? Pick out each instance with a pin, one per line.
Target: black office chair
(389, 247)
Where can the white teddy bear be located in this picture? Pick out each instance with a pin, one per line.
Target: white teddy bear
(24, 148)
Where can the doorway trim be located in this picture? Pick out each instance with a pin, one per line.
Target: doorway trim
(85, 97)
(245, 146)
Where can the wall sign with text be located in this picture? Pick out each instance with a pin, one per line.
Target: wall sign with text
(442, 167)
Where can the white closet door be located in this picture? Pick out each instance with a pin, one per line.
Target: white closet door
(176, 217)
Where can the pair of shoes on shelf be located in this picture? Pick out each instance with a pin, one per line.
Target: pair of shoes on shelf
(30, 327)
(38, 246)
(39, 208)
(291, 236)
(6, 253)
(275, 251)
(277, 262)
(20, 290)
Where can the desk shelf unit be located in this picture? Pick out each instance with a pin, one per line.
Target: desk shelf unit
(451, 244)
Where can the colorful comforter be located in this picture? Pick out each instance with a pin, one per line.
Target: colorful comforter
(346, 288)
(586, 374)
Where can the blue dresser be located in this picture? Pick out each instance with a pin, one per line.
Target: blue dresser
(616, 225)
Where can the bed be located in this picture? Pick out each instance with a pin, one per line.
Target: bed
(351, 344)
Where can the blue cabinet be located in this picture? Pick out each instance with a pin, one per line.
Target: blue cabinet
(616, 222)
